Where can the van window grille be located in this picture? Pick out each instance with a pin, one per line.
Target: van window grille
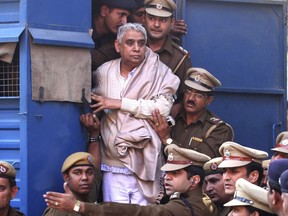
(9, 77)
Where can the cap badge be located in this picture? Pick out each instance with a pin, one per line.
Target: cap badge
(227, 153)
(284, 142)
(159, 6)
(214, 166)
(197, 78)
(3, 169)
(90, 159)
(170, 157)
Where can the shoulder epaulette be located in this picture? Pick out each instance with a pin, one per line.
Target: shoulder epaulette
(181, 49)
(215, 120)
(176, 195)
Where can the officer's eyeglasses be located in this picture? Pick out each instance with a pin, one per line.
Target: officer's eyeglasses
(198, 96)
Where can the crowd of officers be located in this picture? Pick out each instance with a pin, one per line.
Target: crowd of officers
(204, 171)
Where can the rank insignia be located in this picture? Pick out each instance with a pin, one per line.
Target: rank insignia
(3, 169)
(197, 78)
(159, 6)
(284, 142)
(214, 166)
(227, 153)
(170, 157)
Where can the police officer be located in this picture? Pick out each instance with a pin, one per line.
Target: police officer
(281, 148)
(108, 16)
(81, 179)
(214, 185)
(196, 127)
(276, 168)
(249, 199)
(183, 181)
(158, 22)
(241, 162)
(8, 189)
(284, 190)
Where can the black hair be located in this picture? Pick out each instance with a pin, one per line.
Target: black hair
(255, 166)
(12, 182)
(195, 170)
(274, 186)
(252, 209)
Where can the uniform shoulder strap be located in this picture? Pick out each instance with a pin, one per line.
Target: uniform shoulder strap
(185, 55)
(189, 205)
(215, 126)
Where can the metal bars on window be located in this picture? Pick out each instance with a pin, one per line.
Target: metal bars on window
(9, 77)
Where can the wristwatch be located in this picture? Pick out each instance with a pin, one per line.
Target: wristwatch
(77, 206)
(169, 141)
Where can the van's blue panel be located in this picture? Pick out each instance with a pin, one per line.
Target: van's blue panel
(243, 43)
(34, 136)
(59, 14)
(9, 11)
(53, 132)
(10, 34)
(61, 38)
(10, 139)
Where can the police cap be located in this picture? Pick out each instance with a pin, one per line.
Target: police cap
(160, 8)
(78, 159)
(201, 80)
(179, 158)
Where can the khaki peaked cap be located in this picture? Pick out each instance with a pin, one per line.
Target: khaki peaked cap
(248, 194)
(236, 155)
(179, 158)
(160, 8)
(212, 166)
(78, 159)
(7, 170)
(201, 80)
(281, 143)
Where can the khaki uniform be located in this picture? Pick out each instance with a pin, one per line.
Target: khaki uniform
(177, 59)
(104, 53)
(225, 211)
(201, 205)
(194, 136)
(55, 212)
(14, 212)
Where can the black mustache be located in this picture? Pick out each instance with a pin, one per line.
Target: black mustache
(191, 102)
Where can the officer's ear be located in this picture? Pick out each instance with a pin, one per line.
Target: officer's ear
(255, 213)
(104, 10)
(253, 176)
(14, 191)
(65, 177)
(194, 180)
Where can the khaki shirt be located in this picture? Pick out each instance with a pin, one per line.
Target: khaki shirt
(201, 204)
(55, 212)
(193, 136)
(171, 54)
(14, 212)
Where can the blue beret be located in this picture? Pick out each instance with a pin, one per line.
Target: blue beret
(284, 181)
(276, 168)
(123, 4)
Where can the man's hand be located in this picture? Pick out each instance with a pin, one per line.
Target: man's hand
(104, 103)
(92, 123)
(61, 201)
(179, 28)
(160, 125)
